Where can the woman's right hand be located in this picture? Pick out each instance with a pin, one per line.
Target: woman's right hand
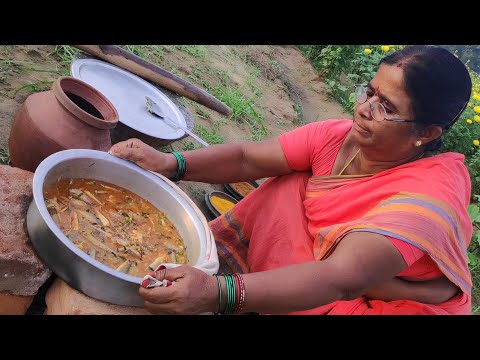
(143, 155)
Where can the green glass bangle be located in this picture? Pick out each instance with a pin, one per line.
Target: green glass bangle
(220, 294)
(229, 294)
(181, 168)
(232, 292)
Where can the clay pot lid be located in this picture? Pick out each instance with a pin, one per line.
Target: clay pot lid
(85, 102)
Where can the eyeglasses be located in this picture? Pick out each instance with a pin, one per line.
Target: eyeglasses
(377, 109)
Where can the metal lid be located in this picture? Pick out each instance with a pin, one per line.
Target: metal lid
(127, 93)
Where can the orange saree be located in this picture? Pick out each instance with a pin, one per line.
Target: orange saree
(302, 216)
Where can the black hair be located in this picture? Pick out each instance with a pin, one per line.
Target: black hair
(438, 84)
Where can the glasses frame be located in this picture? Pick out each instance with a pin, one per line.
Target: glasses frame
(364, 87)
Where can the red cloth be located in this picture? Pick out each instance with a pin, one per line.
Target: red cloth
(296, 218)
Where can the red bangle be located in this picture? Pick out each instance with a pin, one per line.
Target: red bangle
(241, 292)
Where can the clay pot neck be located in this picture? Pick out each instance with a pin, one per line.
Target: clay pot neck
(85, 102)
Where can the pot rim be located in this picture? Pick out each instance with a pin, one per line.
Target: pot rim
(77, 111)
(38, 180)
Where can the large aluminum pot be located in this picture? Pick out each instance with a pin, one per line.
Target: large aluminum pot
(72, 264)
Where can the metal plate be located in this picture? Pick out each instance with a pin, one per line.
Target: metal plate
(127, 93)
(234, 192)
(222, 195)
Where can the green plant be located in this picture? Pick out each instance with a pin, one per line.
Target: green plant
(66, 53)
(4, 156)
(31, 88)
(210, 136)
(153, 53)
(194, 50)
(474, 254)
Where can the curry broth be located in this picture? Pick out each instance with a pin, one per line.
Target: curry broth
(114, 226)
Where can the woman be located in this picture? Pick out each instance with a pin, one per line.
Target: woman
(358, 217)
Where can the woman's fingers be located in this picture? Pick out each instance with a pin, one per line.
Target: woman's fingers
(162, 273)
(125, 149)
(157, 295)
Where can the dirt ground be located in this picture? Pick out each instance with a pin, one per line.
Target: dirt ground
(288, 90)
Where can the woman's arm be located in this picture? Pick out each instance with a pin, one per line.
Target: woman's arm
(360, 262)
(433, 291)
(215, 164)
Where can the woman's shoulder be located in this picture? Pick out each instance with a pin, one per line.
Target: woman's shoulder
(444, 176)
(329, 129)
(333, 124)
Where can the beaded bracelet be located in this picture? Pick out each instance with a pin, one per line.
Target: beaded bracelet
(181, 168)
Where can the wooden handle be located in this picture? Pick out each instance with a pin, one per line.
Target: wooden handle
(138, 66)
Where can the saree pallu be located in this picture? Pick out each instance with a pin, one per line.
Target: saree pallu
(298, 218)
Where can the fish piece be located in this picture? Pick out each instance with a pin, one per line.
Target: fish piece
(78, 203)
(111, 188)
(75, 192)
(134, 252)
(102, 218)
(173, 247)
(74, 220)
(133, 270)
(99, 244)
(125, 266)
(89, 216)
(92, 252)
(93, 197)
(157, 262)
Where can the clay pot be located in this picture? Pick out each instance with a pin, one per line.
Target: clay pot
(73, 115)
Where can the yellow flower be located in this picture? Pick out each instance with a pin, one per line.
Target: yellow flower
(469, 104)
(476, 118)
(367, 51)
(476, 142)
(385, 48)
(476, 109)
(476, 97)
(469, 121)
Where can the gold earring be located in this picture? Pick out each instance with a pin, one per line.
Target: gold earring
(418, 143)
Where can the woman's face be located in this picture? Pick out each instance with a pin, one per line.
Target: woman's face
(386, 140)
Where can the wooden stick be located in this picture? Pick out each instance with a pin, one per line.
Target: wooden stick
(138, 66)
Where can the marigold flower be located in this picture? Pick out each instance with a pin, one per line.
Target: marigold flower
(476, 118)
(385, 48)
(476, 109)
(476, 142)
(469, 121)
(367, 51)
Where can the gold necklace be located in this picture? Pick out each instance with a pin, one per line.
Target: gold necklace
(349, 162)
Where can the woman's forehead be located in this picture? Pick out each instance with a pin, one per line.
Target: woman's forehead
(389, 83)
(389, 80)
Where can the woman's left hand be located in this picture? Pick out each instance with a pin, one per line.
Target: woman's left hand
(193, 292)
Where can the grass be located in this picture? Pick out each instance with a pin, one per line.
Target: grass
(211, 136)
(4, 156)
(31, 88)
(152, 53)
(198, 51)
(65, 53)
(243, 108)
